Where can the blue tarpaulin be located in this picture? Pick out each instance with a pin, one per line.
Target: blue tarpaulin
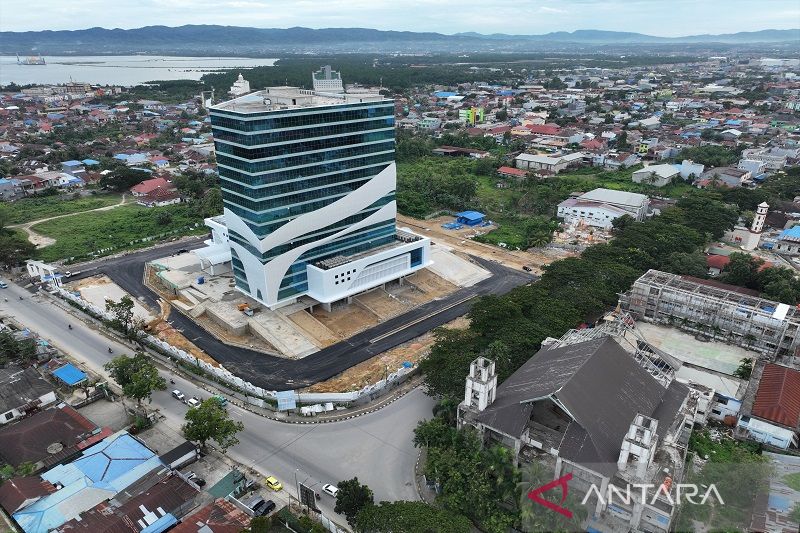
(69, 374)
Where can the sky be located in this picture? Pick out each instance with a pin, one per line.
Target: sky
(667, 18)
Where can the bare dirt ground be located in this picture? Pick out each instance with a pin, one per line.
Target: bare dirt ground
(431, 285)
(322, 335)
(461, 240)
(376, 368)
(346, 321)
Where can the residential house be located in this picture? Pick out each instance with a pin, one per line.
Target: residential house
(554, 163)
(772, 416)
(158, 506)
(145, 187)
(689, 168)
(22, 391)
(31, 439)
(219, 516)
(99, 474)
(633, 204)
(724, 177)
(656, 175)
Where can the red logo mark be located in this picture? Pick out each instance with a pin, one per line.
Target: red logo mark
(535, 494)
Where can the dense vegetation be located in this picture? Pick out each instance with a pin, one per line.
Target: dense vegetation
(737, 470)
(510, 328)
(398, 73)
(105, 232)
(36, 208)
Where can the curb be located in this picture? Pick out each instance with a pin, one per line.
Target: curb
(235, 401)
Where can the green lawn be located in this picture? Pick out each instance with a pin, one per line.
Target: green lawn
(29, 209)
(793, 480)
(117, 229)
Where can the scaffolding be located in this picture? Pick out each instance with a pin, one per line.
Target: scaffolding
(715, 310)
(622, 327)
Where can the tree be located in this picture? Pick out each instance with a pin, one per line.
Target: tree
(122, 313)
(744, 369)
(14, 245)
(686, 264)
(742, 270)
(137, 376)
(410, 517)
(163, 218)
(536, 517)
(210, 421)
(501, 114)
(260, 524)
(352, 498)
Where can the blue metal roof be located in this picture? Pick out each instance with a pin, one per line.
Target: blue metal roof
(69, 374)
(90, 162)
(470, 215)
(791, 234)
(102, 471)
(72, 163)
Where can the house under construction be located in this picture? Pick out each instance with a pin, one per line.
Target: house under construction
(716, 310)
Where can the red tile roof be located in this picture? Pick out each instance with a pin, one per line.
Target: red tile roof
(778, 396)
(511, 171)
(717, 261)
(544, 129)
(148, 186)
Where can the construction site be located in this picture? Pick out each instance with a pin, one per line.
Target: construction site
(711, 310)
(305, 327)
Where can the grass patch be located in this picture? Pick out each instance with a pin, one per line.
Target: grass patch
(29, 209)
(118, 229)
(793, 480)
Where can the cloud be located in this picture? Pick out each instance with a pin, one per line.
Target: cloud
(656, 17)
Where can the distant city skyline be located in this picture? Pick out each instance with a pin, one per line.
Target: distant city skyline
(653, 17)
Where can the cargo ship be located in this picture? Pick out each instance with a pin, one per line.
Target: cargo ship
(31, 60)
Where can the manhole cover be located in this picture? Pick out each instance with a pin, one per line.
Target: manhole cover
(55, 448)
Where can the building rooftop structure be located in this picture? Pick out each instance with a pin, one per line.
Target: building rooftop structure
(287, 98)
(99, 474)
(19, 387)
(599, 385)
(153, 509)
(778, 396)
(47, 438)
(219, 516)
(613, 197)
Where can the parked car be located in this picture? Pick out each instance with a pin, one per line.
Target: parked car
(193, 402)
(3, 285)
(526, 268)
(330, 490)
(273, 483)
(265, 508)
(178, 395)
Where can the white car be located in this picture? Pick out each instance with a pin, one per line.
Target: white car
(178, 395)
(330, 490)
(193, 402)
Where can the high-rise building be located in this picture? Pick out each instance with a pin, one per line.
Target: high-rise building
(308, 182)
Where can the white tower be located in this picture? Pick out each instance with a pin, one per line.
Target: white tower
(639, 446)
(240, 86)
(481, 384)
(760, 218)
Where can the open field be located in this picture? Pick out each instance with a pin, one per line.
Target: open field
(115, 230)
(29, 209)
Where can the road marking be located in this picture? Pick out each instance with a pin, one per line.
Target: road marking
(421, 319)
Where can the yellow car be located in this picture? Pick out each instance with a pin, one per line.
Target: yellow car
(273, 483)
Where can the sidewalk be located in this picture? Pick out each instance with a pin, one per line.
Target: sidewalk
(236, 398)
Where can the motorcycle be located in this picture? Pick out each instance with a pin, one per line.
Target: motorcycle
(110, 350)
(69, 326)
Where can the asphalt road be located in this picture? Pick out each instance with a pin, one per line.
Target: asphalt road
(376, 447)
(276, 373)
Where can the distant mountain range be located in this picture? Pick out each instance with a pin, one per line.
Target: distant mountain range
(234, 40)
